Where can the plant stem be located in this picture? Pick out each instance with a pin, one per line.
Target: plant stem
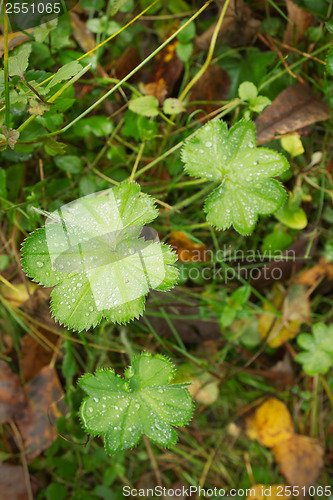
(5, 67)
(135, 70)
(210, 52)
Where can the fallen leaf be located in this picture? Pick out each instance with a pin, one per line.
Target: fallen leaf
(165, 73)
(295, 308)
(212, 86)
(35, 354)
(262, 492)
(13, 483)
(81, 33)
(300, 459)
(12, 396)
(300, 21)
(239, 28)
(294, 108)
(20, 295)
(36, 421)
(128, 60)
(204, 389)
(187, 250)
(316, 273)
(85, 39)
(15, 39)
(270, 423)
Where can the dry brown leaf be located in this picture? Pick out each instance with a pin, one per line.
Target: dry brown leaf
(12, 396)
(295, 308)
(322, 270)
(187, 250)
(166, 72)
(300, 19)
(36, 354)
(15, 39)
(85, 39)
(262, 492)
(295, 108)
(300, 459)
(212, 86)
(13, 483)
(37, 421)
(239, 28)
(270, 423)
(128, 60)
(81, 33)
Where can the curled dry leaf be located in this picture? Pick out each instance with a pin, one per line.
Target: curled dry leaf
(314, 275)
(294, 108)
(270, 423)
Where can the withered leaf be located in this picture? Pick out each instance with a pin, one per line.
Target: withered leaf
(187, 250)
(12, 396)
(212, 86)
(315, 274)
(239, 27)
(166, 72)
(270, 423)
(128, 60)
(37, 421)
(300, 21)
(294, 108)
(13, 483)
(36, 354)
(263, 492)
(295, 308)
(300, 459)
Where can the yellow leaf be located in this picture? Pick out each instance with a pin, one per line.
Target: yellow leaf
(295, 309)
(292, 144)
(270, 423)
(262, 492)
(204, 390)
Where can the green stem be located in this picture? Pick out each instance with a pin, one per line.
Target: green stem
(5, 67)
(133, 72)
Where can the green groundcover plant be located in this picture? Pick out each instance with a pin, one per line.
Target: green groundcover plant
(143, 402)
(94, 253)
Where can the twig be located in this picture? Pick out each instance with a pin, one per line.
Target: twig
(23, 459)
(153, 461)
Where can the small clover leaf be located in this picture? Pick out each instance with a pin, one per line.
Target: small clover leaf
(141, 403)
(99, 257)
(318, 355)
(243, 171)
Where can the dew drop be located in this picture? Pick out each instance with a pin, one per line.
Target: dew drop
(40, 264)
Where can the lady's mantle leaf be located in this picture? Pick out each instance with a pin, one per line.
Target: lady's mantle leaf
(318, 355)
(99, 257)
(244, 171)
(141, 403)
